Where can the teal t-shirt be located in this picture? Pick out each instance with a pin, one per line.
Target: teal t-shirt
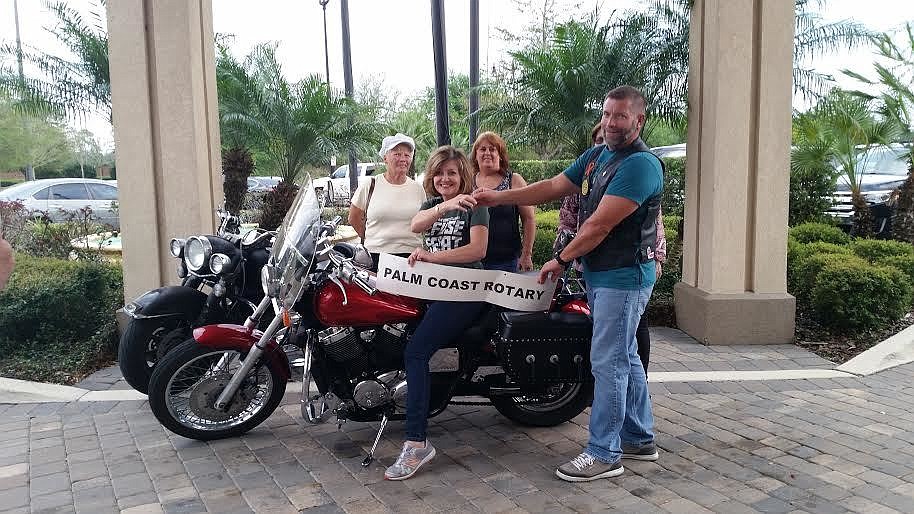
(638, 178)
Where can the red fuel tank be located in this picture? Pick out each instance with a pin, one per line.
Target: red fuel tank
(362, 309)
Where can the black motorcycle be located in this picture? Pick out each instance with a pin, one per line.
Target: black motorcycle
(220, 284)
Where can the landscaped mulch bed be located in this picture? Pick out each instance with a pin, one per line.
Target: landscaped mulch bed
(838, 347)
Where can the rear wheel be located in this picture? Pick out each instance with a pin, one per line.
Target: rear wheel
(189, 380)
(560, 403)
(144, 342)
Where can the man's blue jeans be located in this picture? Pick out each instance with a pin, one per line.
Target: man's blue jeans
(621, 410)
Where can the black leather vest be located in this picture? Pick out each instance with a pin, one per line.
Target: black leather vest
(634, 239)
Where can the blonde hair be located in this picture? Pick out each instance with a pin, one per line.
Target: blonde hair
(437, 160)
(500, 147)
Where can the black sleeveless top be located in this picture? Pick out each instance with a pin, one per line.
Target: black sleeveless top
(504, 228)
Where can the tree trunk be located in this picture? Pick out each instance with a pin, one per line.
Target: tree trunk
(903, 219)
(863, 217)
(276, 204)
(237, 166)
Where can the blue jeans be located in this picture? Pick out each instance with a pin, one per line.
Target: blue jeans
(443, 323)
(621, 410)
(509, 266)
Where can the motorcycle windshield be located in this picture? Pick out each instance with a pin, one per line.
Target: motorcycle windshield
(293, 249)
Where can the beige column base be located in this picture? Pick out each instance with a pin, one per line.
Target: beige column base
(735, 318)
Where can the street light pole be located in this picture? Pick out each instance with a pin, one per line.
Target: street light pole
(474, 69)
(326, 53)
(442, 121)
(347, 79)
(327, 68)
(29, 170)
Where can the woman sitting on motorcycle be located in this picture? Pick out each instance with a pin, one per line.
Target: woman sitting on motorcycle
(383, 205)
(456, 234)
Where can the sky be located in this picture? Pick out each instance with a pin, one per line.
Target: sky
(392, 42)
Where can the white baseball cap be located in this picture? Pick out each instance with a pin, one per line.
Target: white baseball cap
(389, 142)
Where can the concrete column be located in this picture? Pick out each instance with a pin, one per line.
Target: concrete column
(166, 128)
(733, 288)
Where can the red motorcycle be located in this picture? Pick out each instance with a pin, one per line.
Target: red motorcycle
(533, 367)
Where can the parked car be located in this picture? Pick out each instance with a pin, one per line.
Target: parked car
(882, 170)
(336, 186)
(58, 197)
(669, 152)
(258, 184)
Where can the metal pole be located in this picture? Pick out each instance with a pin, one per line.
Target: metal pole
(327, 68)
(442, 121)
(474, 69)
(29, 170)
(326, 52)
(347, 79)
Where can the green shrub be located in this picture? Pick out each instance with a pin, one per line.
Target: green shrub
(812, 232)
(9, 182)
(547, 223)
(857, 295)
(903, 263)
(875, 249)
(806, 273)
(798, 252)
(674, 186)
(671, 224)
(58, 315)
(534, 171)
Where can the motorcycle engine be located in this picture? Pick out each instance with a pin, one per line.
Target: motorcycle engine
(386, 388)
(383, 346)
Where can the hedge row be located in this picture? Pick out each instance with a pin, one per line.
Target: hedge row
(547, 225)
(860, 284)
(673, 188)
(58, 317)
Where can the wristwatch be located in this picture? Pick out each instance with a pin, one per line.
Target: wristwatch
(558, 258)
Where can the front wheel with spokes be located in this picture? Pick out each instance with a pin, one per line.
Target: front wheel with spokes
(186, 383)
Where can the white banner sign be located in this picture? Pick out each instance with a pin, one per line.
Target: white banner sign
(436, 282)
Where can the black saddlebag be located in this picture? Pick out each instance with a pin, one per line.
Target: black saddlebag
(545, 347)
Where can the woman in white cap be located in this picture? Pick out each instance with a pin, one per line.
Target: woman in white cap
(383, 207)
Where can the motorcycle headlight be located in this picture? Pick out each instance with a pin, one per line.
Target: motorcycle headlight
(219, 263)
(177, 247)
(197, 251)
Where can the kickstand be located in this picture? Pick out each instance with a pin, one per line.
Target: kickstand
(370, 457)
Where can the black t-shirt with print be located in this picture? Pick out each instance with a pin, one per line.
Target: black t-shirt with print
(452, 229)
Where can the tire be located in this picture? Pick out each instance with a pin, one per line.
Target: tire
(183, 389)
(569, 400)
(142, 345)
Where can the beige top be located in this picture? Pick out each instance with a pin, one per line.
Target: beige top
(390, 212)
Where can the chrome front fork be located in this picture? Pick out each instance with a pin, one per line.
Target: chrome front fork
(316, 409)
(253, 355)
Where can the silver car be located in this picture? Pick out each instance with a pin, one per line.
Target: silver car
(59, 196)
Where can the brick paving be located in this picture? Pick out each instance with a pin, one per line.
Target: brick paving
(823, 445)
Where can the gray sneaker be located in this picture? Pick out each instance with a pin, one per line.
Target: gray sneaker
(644, 452)
(409, 461)
(585, 468)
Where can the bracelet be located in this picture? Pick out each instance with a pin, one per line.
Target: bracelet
(558, 258)
(438, 210)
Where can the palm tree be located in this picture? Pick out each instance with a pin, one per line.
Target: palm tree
(842, 130)
(70, 86)
(292, 124)
(558, 94)
(812, 38)
(896, 102)
(895, 79)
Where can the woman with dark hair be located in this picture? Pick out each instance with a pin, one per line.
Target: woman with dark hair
(456, 234)
(507, 251)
